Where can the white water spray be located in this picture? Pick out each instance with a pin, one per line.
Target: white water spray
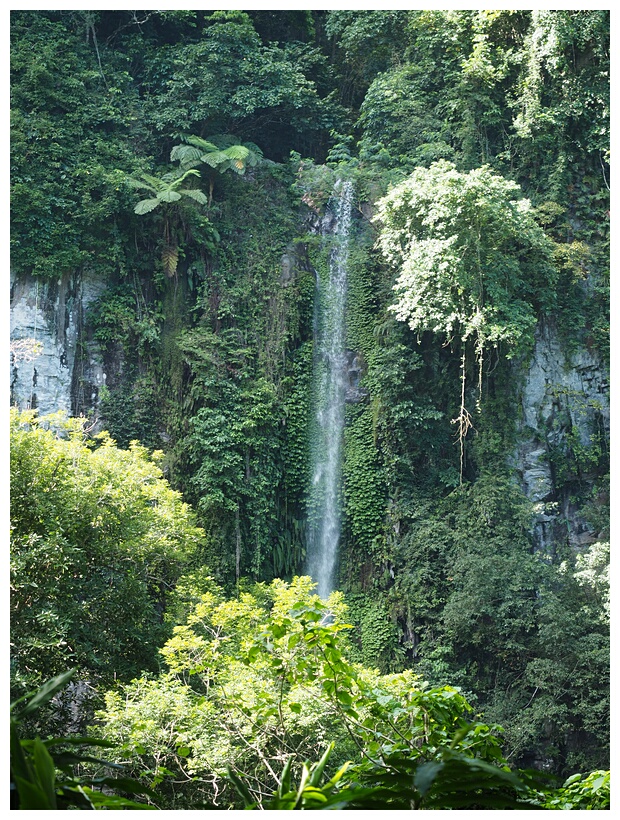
(330, 381)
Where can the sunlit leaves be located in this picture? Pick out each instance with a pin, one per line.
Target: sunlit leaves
(99, 538)
(167, 189)
(266, 675)
(229, 155)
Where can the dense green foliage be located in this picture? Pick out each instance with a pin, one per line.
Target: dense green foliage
(98, 541)
(43, 771)
(471, 258)
(255, 685)
(186, 159)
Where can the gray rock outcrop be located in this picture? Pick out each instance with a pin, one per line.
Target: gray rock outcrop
(355, 369)
(564, 402)
(53, 366)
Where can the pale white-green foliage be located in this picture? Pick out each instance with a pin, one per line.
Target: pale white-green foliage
(592, 573)
(467, 252)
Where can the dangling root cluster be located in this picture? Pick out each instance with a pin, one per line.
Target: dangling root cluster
(463, 420)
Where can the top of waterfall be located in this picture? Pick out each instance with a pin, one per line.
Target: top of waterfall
(338, 213)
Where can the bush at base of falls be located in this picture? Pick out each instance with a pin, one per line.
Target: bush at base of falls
(261, 682)
(98, 540)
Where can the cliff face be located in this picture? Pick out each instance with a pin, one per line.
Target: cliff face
(56, 366)
(564, 400)
(565, 413)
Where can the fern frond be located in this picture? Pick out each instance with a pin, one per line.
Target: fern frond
(227, 141)
(196, 195)
(153, 181)
(217, 159)
(185, 154)
(237, 152)
(170, 259)
(198, 142)
(168, 196)
(192, 172)
(238, 157)
(255, 150)
(142, 186)
(146, 205)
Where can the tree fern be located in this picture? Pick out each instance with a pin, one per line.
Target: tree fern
(167, 189)
(229, 155)
(169, 193)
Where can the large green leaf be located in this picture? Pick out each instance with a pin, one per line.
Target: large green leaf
(169, 196)
(175, 181)
(146, 205)
(31, 795)
(216, 159)
(45, 771)
(241, 788)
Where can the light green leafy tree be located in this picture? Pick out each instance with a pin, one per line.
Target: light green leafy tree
(260, 686)
(98, 541)
(263, 680)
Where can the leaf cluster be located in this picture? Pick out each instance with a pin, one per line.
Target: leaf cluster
(471, 261)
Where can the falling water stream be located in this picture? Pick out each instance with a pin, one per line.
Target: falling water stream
(330, 381)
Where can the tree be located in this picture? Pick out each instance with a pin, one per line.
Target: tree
(253, 680)
(473, 267)
(229, 82)
(490, 614)
(260, 683)
(167, 189)
(69, 134)
(98, 540)
(229, 155)
(168, 194)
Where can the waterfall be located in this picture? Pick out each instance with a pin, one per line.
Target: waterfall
(329, 378)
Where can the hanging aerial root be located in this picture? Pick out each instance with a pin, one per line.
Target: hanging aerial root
(464, 423)
(463, 420)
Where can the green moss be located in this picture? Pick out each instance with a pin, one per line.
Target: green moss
(365, 495)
